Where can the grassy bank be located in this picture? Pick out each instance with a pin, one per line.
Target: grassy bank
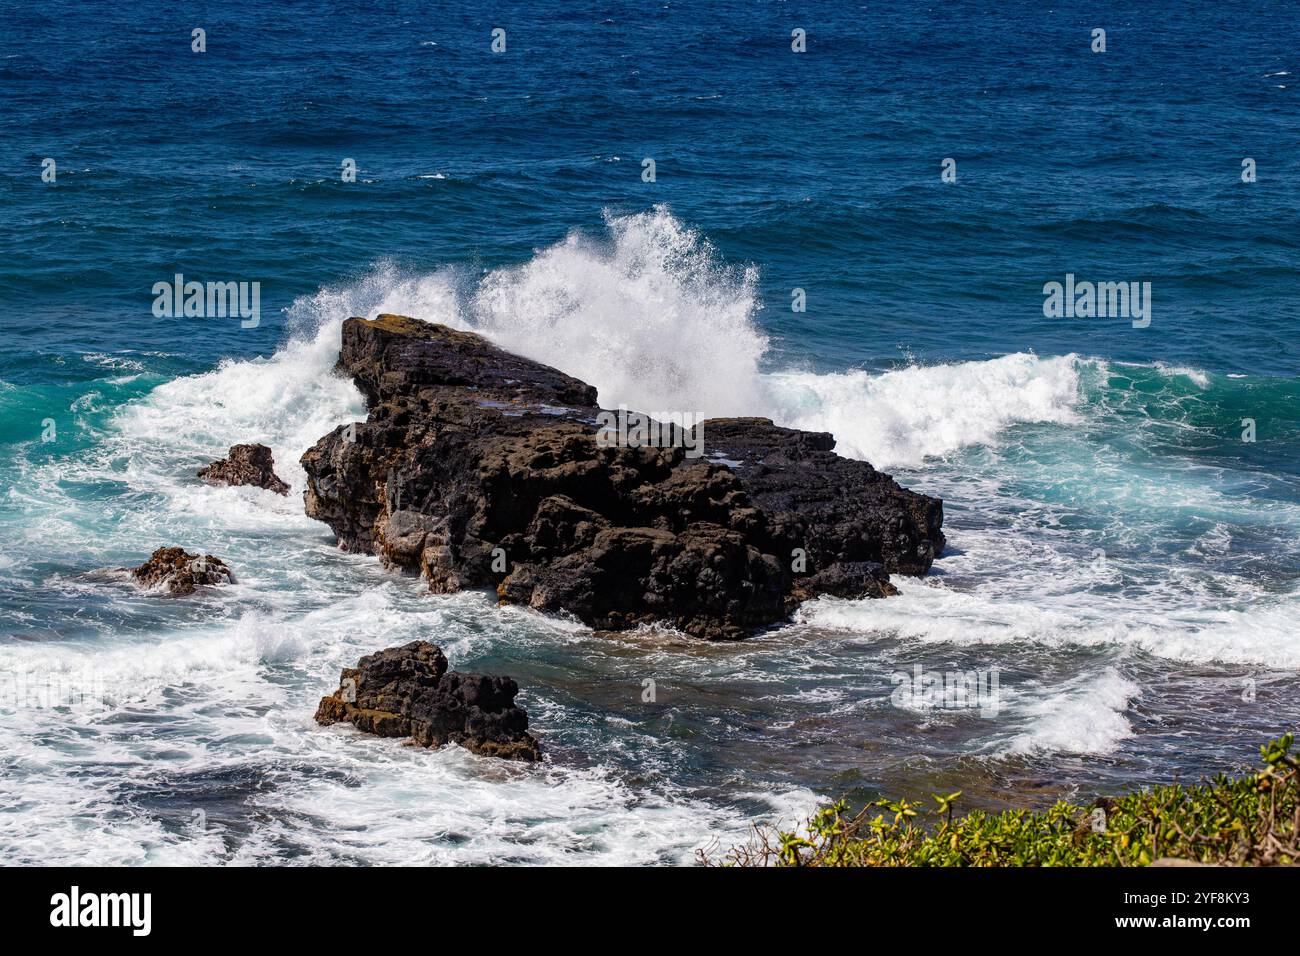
(1247, 821)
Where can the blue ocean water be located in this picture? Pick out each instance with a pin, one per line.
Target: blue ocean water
(1119, 552)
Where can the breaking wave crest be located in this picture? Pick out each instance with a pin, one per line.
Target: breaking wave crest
(651, 317)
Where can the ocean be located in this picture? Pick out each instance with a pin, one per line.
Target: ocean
(1122, 500)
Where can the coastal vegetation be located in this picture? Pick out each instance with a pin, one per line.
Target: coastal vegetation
(1252, 820)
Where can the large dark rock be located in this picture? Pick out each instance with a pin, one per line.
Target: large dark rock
(245, 465)
(180, 573)
(408, 692)
(479, 468)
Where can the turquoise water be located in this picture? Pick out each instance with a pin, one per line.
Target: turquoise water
(1124, 558)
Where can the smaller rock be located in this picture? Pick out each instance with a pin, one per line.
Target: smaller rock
(180, 572)
(246, 465)
(407, 691)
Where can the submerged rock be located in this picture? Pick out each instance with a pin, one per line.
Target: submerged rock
(480, 468)
(179, 572)
(408, 692)
(245, 465)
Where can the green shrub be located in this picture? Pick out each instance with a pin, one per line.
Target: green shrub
(1249, 821)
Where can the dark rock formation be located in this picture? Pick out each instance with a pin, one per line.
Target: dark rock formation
(408, 692)
(480, 468)
(246, 465)
(179, 572)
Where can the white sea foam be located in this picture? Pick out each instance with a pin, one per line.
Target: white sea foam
(649, 315)
(219, 704)
(1086, 716)
(642, 313)
(902, 417)
(929, 611)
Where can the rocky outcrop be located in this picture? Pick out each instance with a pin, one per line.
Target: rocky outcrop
(479, 468)
(179, 573)
(408, 692)
(245, 465)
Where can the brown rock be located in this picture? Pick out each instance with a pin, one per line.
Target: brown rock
(409, 692)
(180, 572)
(245, 465)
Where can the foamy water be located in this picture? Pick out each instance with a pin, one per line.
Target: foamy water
(1091, 572)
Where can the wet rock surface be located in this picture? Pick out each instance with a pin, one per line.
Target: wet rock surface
(179, 573)
(480, 468)
(409, 692)
(245, 465)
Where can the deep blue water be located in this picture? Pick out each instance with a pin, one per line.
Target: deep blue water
(821, 168)
(1127, 559)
